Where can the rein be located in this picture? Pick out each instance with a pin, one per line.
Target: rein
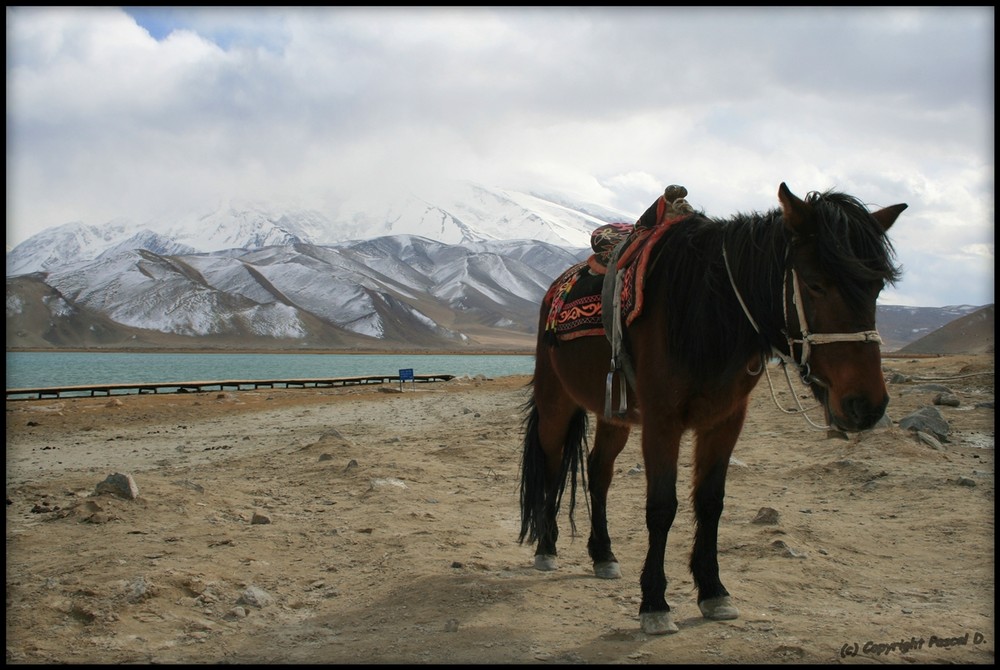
(807, 339)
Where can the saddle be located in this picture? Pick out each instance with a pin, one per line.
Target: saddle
(575, 299)
(604, 240)
(589, 298)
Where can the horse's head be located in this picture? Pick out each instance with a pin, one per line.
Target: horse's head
(839, 260)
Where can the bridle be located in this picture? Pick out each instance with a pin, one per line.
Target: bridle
(807, 339)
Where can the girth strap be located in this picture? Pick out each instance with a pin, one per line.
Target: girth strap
(611, 315)
(668, 208)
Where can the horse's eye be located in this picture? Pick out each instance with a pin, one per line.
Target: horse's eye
(815, 288)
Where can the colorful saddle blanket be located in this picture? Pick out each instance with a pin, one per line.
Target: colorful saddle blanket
(574, 299)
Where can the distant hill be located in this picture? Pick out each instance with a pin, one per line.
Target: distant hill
(970, 334)
(899, 325)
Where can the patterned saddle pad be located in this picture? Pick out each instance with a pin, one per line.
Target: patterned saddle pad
(574, 299)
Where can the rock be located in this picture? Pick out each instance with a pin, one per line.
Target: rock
(139, 589)
(884, 422)
(391, 482)
(786, 550)
(119, 484)
(929, 440)
(766, 516)
(947, 399)
(255, 597)
(929, 420)
(237, 613)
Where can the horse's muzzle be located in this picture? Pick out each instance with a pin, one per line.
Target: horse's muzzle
(859, 413)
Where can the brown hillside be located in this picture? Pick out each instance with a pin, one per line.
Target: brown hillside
(971, 334)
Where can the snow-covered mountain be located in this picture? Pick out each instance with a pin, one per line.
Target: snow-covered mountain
(394, 292)
(460, 213)
(464, 270)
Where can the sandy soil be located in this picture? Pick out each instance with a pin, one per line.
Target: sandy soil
(359, 525)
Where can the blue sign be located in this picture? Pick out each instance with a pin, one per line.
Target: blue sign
(406, 375)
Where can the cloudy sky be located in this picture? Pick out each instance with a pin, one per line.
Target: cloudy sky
(135, 112)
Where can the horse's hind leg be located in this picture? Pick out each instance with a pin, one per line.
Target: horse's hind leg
(553, 440)
(713, 448)
(609, 440)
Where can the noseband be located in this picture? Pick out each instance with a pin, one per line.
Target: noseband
(808, 339)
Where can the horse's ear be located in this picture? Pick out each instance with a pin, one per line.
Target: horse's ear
(887, 216)
(795, 211)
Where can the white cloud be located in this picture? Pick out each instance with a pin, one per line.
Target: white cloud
(112, 117)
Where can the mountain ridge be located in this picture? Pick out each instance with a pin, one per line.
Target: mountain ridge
(383, 294)
(250, 275)
(467, 213)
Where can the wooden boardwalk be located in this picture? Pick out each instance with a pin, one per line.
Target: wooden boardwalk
(202, 386)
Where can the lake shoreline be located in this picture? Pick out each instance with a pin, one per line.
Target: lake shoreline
(336, 352)
(258, 350)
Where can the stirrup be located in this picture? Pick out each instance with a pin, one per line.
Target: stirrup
(609, 395)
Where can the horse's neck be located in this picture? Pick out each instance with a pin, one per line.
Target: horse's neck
(757, 253)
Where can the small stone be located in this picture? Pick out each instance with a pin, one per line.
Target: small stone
(119, 484)
(766, 516)
(254, 597)
(947, 399)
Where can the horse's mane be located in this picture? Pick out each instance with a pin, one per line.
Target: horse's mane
(708, 329)
(851, 250)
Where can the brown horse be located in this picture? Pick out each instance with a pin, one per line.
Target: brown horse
(721, 298)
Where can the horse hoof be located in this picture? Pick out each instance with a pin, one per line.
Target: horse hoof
(608, 570)
(718, 609)
(545, 562)
(657, 623)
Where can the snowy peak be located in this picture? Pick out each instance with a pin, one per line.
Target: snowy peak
(456, 213)
(242, 225)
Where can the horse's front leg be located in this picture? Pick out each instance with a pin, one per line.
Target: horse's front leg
(713, 447)
(660, 444)
(609, 440)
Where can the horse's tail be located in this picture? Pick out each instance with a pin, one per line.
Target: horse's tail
(533, 472)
